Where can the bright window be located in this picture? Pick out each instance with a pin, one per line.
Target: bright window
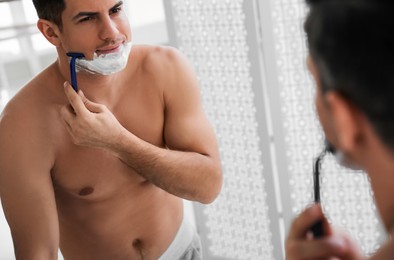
(40, 43)
(30, 12)
(5, 14)
(143, 12)
(9, 47)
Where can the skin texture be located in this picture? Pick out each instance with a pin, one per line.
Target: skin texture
(350, 131)
(101, 172)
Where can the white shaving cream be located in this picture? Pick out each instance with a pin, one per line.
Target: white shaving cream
(106, 64)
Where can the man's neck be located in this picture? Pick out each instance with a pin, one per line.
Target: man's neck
(378, 162)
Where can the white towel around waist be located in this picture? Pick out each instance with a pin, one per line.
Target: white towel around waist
(181, 242)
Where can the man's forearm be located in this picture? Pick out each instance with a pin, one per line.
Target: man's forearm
(188, 175)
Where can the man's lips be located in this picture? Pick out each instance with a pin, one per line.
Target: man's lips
(108, 49)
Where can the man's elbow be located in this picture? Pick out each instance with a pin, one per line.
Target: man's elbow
(36, 253)
(213, 186)
(47, 256)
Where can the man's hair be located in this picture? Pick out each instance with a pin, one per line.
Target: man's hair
(50, 10)
(352, 44)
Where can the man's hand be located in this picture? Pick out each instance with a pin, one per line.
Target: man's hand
(300, 243)
(89, 124)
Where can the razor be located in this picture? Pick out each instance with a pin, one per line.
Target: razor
(317, 228)
(73, 72)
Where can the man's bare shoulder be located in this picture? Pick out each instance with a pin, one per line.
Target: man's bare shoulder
(167, 66)
(158, 59)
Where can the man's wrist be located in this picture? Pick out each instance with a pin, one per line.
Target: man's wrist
(121, 141)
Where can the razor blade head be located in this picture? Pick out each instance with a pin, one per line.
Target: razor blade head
(77, 55)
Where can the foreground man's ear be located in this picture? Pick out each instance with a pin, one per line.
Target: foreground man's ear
(50, 31)
(347, 121)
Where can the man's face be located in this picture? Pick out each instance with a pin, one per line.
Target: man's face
(94, 26)
(321, 105)
(337, 119)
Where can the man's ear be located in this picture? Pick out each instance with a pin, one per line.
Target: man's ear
(313, 70)
(50, 31)
(346, 119)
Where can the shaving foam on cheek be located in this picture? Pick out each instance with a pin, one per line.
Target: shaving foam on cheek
(341, 158)
(106, 64)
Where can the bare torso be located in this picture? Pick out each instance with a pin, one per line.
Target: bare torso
(105, 209)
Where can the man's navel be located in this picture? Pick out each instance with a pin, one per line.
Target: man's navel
(137, 244)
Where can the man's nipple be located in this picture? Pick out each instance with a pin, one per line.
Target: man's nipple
(86, 191)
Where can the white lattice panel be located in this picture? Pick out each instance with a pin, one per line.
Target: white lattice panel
(213, 34)
(346, 196)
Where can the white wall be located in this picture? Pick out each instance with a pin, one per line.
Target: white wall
(6, 246)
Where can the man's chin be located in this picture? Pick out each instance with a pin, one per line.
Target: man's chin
(341, 158)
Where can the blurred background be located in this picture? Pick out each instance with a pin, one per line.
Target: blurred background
(249, 56)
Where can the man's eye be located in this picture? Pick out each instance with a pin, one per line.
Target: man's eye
(116, 10)
(87, 18)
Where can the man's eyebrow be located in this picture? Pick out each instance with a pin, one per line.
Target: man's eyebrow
(117, 5)
(83, 14)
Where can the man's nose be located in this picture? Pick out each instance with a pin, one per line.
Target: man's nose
(109, 30)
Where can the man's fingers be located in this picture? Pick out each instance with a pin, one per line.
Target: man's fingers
(304, 222)
(91, 106)
(67, 113)
(316, 249)
(300, 243)
(74, 99)
(79, 102)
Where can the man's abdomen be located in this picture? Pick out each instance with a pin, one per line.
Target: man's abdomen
(134, 223)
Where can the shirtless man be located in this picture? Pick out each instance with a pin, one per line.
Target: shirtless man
(101, 172)
(351, 59)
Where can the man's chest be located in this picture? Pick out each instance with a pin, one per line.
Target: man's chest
(96, 172)
(92, 173)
